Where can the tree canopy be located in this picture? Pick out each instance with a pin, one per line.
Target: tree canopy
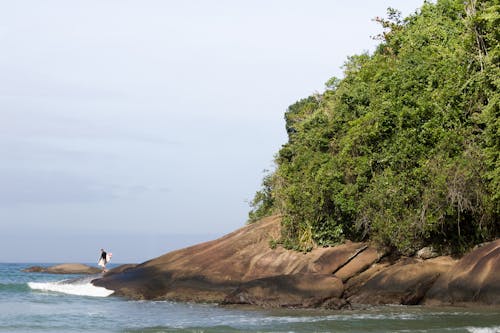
(403, 150)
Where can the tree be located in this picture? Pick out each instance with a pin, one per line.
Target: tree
(402, 151)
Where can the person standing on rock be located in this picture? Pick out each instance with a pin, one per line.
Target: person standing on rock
(103, 260)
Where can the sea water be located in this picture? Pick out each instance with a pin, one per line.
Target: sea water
(40, 302)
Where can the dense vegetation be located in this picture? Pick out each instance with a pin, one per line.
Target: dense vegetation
(403, 151)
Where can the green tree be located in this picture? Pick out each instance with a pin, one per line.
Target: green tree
(402, 151)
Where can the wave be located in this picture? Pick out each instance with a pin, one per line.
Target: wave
(79, 287)
(494, 329)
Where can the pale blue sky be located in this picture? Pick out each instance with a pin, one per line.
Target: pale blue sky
(145, 126)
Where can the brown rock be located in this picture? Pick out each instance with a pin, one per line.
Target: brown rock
(353, 285)
(333, 258)
(241, 267)
(64, 269)
(359, 264)
(120, 269)
(475, 278)
(212, 270)
(34, 269)
(405, 282)
(298, 290)
(207, 271)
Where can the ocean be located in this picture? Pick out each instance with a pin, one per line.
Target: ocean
(39, 302)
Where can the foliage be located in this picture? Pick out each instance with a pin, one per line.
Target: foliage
(263, 201)
(404, 150)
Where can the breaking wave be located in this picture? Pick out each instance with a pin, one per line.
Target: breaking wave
(80, 287)
(495, 329)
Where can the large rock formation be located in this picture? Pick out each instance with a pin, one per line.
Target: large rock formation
(475, 278)
(405, 282)
(242, 268)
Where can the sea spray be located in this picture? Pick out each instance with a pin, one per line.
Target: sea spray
(80, 287)
(483, 329)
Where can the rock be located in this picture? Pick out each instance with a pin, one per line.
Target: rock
(405, 282)
(120, 269)
(64, 269)
(362, 261)
(297, 290)
(475, 278)
(353, 285)
(211, 271)
(208, 271)
(336, 257)
(427, 253)
(242, 268)
(336, 304)
(34, 269)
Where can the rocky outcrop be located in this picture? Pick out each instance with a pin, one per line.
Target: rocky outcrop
(241, 268)
(120, 269)
(405, 282)
(295, 290)
(237, 267)
(475, 278)
(64, 269)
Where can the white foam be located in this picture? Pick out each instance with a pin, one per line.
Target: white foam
(73, 288)
(495, 329)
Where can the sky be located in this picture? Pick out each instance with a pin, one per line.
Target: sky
(144, 126)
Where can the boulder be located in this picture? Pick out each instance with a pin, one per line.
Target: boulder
(64, 269)
(360, 263)
(353, 285)
(474, 279)
(334, 258)
(426, 253)
(34, 269)
(405, 282)
(297, 290)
